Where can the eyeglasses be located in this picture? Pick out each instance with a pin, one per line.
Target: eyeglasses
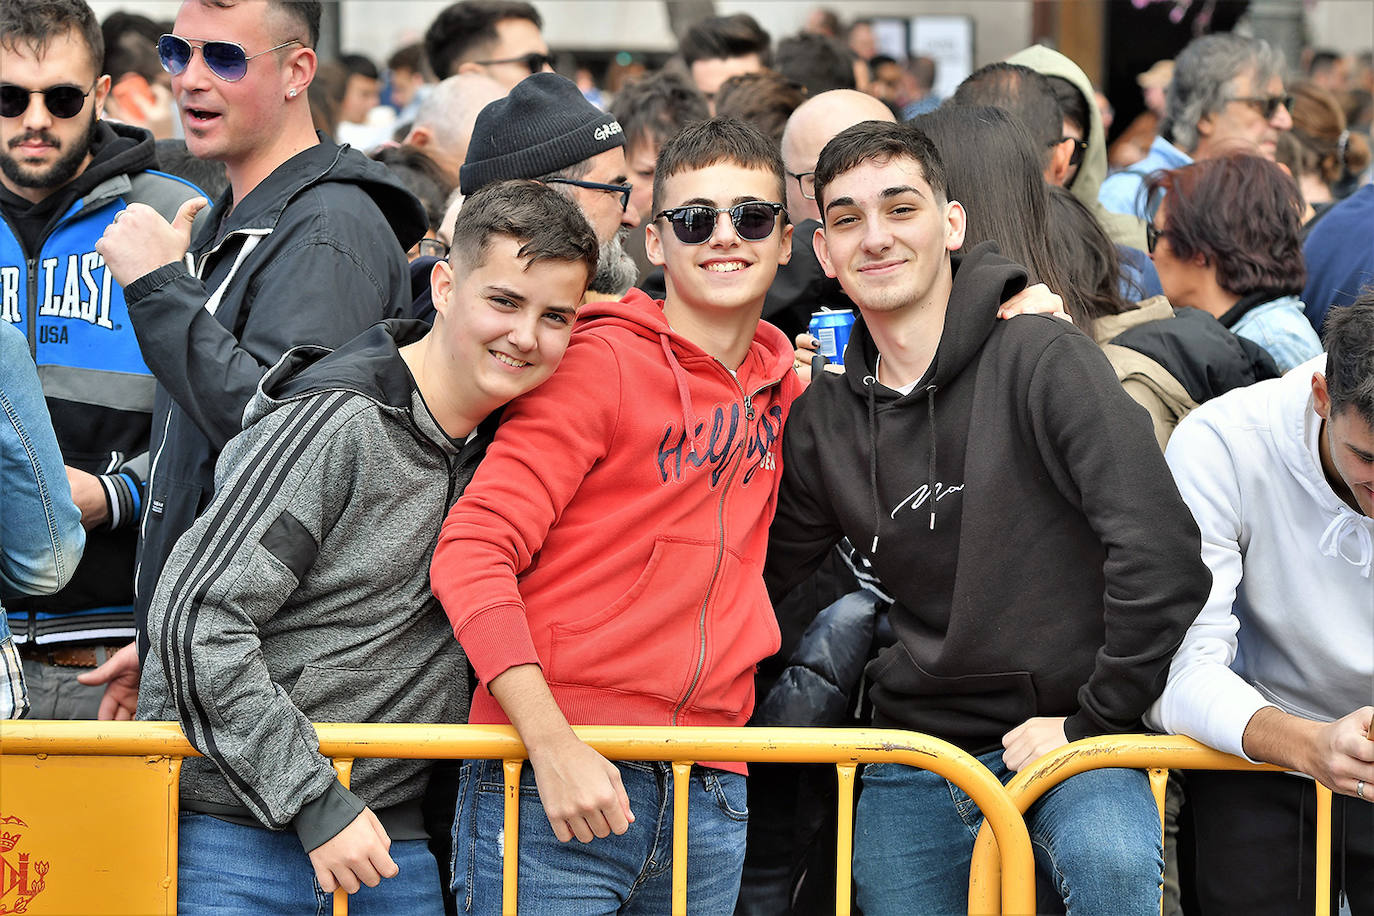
(534, 60)
(225, 59)
(1080, 147)
(1266, 105)
(432, 248)
(806, 181)
(61, 101)
(622, 189)
(1152, 235)
(753, 221)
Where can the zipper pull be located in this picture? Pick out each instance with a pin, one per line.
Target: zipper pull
(749, 408)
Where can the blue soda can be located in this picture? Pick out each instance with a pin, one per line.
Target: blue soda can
(832, 329)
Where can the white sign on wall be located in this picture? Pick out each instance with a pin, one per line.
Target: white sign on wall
(949, 41)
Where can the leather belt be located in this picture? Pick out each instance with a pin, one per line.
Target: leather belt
(65, 656)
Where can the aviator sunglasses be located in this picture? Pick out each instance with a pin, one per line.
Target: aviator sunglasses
(753, 220)
(225, 59)
(61, 101)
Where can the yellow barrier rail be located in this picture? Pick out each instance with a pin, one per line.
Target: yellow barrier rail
(1155, 753)
(162, 744)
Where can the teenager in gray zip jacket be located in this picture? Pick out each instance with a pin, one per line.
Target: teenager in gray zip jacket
(302, 593)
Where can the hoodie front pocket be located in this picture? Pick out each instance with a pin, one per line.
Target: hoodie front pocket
(648, 640)
(952, 705)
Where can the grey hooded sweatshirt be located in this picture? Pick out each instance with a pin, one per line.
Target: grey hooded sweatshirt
(302, 594)
(1122, 228)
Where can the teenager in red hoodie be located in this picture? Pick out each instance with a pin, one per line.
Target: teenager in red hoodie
(605, 564)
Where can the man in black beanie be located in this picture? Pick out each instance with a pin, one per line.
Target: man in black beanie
(546, 130)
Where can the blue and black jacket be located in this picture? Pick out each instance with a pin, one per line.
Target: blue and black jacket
(57, 290)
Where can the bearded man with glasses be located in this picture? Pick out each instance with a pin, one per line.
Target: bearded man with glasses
(65, 175)
(307, 246)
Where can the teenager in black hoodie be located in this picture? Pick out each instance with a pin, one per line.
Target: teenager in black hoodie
(1043, 565)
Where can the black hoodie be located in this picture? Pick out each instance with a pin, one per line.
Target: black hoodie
(312, 255)
(1056, 569)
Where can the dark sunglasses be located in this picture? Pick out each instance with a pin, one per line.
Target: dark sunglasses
(1266, 105)
(225, 59)
(1080, 148)
(535, 61)
(622, 189)
(753, 221)
(61, 101)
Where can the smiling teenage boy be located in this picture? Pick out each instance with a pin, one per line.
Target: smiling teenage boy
(302, 593)
(604, 566)
(1010, 497)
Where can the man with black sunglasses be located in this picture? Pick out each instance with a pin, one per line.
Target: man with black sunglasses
(307, 246)
(65, 174)
(498, 38)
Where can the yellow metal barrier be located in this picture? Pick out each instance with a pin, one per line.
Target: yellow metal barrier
(1156, 753)
(108, 878)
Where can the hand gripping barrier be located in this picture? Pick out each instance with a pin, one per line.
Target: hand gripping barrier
(108, 869)
(1155, 753)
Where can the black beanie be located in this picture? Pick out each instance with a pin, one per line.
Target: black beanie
(544, 125)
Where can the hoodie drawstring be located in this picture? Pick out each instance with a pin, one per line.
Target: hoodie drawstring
(930, 471)
(870, 382)
(1332, 541)
(689, 417)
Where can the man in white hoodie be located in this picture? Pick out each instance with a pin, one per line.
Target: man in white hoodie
(1279, 666)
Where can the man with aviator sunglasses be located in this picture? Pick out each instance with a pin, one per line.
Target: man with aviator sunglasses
(65, 174)
(307, 246)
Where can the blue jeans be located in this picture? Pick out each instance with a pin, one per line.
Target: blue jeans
(226, 868)
(1096, 835)
(631, 873)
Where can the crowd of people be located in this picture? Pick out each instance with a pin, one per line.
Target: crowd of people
(459, 391)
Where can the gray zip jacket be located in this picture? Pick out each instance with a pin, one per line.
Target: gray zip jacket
(302, 594)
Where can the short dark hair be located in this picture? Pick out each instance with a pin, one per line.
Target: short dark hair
(548, 226)
(725, 36)
(1027, 95)
(1349, 337)
(408, 57)
(422, 176)
(1241, 213)
(657, 106)
(882, 141)
(359, 65)
(1323, 59)
(460, 29)
(302, 13)
(35, 24)
(1072, 105)
(816, 62)
(717, 140)
(764, 98)
(130, 45)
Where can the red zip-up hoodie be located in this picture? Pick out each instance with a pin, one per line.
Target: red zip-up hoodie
(615, 531)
